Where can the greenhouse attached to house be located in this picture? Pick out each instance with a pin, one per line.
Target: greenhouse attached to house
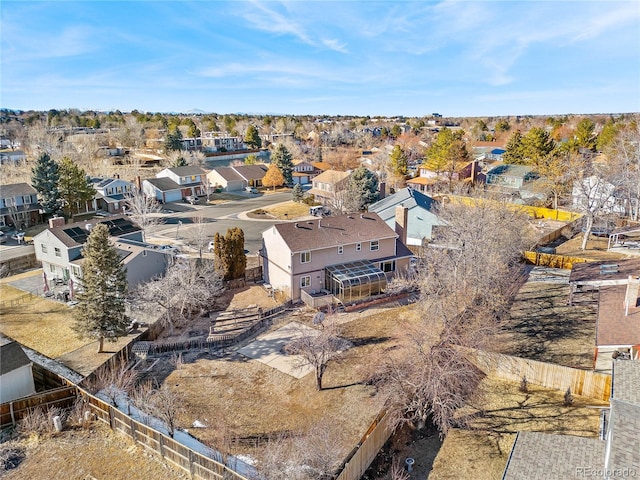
(355, 280)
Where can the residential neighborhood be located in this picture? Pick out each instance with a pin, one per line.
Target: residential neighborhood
(320, 240)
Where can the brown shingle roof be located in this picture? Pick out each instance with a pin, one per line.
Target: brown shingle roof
(333, 231)
(331, 176)
(591, 271)
(255, 172)
(12, 356)
(614, 327)
(188, 170)
(321, 165)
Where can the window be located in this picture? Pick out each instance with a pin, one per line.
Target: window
(76, 271)
(305, 257)
(57, 252)
(358, 247)
(305, 281)
(388, 266)
(52, 268)
(43, 247)
(375, 245)
(340, 249)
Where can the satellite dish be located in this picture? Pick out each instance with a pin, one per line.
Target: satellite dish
(318, 318)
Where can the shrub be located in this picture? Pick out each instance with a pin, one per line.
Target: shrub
(524, 385)
(40, 421)
(568, 398)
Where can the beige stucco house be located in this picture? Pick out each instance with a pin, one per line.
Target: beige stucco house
(350, 256)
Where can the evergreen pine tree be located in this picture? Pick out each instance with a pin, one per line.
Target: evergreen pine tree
(252, 137)
(100, 312)
(297, 193)
(399, 161)
(514, 153)
(364, 183)
(74, 188)
(284, 161)
(44, 178)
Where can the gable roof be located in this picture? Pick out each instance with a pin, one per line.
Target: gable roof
(249, 172)
(187, 170)
(164, 184)
(625, 380)
(321, 165)
(16, 189)
(75, 234)
(333, 231)
(407, 197)
(510, 170)
(331, 176)
(12, 356)
(228, 173)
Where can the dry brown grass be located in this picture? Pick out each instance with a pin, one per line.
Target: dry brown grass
(498, 413)
(87, 454)
(288, 210)
(222, 197)
(255, 401)
(544, 327)
(596, 248)
(39, 323)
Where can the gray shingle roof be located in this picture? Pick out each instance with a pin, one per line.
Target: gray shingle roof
(625, 436)
(228, 173)
(188, 170)
(164, 184)
(12, 356)
(16, 189)
(249, 172)
(407, 197)
(333, 231)
(626, 381)
(547, 456)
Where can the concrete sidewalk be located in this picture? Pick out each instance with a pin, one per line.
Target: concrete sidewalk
(268, 349)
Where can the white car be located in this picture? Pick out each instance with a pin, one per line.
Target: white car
(211, 246)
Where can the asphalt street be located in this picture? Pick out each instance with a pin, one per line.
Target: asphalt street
(179, 227)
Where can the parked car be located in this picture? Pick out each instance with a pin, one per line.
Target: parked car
(251, 189)
(319, 211)
(169, 249)
(191, 199)
(3, 238)
(18, 236)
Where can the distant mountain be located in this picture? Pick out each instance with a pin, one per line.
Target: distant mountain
(196, 111)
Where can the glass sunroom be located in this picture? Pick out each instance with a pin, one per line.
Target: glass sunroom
(354, 280)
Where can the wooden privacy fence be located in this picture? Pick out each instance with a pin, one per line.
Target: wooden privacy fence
(582, 382)
(197, 465)
(365, 452)
(12, 412)
(535, 212)
(553, 260)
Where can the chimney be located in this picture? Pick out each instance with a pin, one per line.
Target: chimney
(402, 220)
(56, 222)
(631, 297)
(382, 190)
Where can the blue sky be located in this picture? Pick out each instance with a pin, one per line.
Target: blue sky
(473, 58)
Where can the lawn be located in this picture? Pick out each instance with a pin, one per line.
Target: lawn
(222, 197)
(282, 211)
(251, 401)
(596, 248)
(544, 327)
(496, 415)
(38, 323)
(86, 454)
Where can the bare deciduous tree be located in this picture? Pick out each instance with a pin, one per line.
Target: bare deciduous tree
(316, 348)
(114, 382)
(187, 288)
(466, 285)
(144, 210)
(167, 405)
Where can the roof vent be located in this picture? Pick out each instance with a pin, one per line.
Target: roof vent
(88, 226)
(608, 268)
(350, 217)
(297, 225)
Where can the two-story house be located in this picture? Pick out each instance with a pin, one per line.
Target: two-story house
(19, 205)
(303, 172)
(327, 185)
(421, 215)
(217, 142)
(176, 183)
(59, 249)
(350, 256)
(111, 193)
